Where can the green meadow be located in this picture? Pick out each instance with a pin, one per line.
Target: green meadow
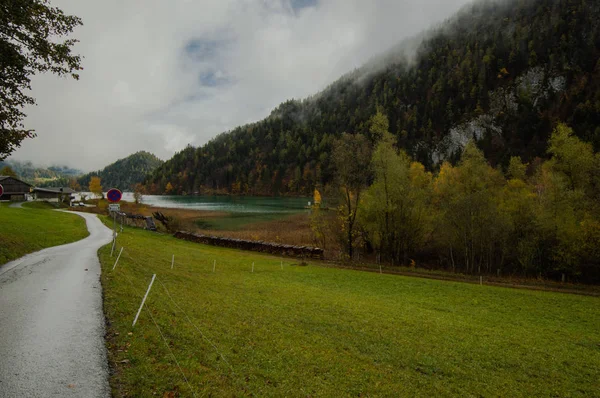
(36, 227)
(323, 332)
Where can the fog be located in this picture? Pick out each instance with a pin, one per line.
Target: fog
(161, 75)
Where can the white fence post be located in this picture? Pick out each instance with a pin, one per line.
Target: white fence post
(118, 257)
(144, 300)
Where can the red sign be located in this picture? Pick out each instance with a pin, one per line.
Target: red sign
(114, 195)
(1, 189)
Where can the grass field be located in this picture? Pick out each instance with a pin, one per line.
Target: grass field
(315, 331)
(34, 228)
(236, 221)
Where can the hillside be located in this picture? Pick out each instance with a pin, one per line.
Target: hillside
(504, 73)
(124, 173)
(39, 175)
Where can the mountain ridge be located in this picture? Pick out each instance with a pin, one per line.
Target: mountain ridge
(504, 73)
(124, 173)
(36, 174)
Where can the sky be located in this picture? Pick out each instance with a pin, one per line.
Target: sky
(161, 74)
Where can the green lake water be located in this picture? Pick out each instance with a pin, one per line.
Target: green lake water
(241, 210)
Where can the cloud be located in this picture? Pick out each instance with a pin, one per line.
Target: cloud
(159, 75)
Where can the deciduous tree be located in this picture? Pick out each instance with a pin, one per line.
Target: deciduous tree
(32, 41)
(138, 193)
(95, 186)
(351, 158)
(8, 171)
(394, 211)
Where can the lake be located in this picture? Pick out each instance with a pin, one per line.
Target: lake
(229, 204)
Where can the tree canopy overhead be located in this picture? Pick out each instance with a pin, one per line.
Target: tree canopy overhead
(33, 39)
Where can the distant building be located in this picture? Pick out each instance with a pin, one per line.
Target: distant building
(14, 189)
(60, 194)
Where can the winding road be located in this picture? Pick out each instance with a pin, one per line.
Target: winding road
(51, 321)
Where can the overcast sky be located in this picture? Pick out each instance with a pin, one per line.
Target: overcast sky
(161, 74)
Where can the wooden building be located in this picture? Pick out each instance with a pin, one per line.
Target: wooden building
(14, 189)
(61, 194)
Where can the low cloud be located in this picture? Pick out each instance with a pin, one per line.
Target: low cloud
(161, 75)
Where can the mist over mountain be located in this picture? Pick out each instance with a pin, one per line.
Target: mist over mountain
(37, 174)
(503, 73)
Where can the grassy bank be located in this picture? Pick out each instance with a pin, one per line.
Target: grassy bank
(286, 228)
(315, 331)
(27, 230)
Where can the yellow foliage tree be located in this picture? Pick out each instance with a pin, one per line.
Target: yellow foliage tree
(95, 186)
(74, 185)
(168, 188)
(317, 197)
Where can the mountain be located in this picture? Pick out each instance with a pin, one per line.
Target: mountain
(40, 175)
(501, 72)
(125, 173)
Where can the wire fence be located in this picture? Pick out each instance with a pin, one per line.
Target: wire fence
(148, 310)
(174, 306)
(171, 265)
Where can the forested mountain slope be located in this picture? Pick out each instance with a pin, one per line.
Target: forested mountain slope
(36, 175)
(502, 72)
(124, 173)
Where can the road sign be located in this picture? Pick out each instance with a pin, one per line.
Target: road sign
(1, 190)
(114, 207)
(114, 195)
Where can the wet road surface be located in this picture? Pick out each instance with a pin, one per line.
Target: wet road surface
(51, 321)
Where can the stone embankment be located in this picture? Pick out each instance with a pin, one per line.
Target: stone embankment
(257, 246)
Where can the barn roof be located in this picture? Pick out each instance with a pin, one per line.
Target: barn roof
(54, 190)
(3, 178)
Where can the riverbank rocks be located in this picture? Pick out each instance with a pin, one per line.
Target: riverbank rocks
(257, 246)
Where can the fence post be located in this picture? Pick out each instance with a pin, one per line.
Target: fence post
(118, 257)
(143, 300)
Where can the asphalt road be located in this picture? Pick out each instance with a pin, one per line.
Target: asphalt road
(51, 321)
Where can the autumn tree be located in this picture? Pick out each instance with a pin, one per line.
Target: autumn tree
(74, 185)
(138, 193)
(566, 191)
(32, 41)
(467, 197)
(8, 171)
(317, 197)
(394, 211)
(95, 186)
(521, 208)
(351, 158)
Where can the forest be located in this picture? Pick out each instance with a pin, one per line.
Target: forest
(502, 73)
(37, 175)
(478, 154)
(539, 219)
(125, 173)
